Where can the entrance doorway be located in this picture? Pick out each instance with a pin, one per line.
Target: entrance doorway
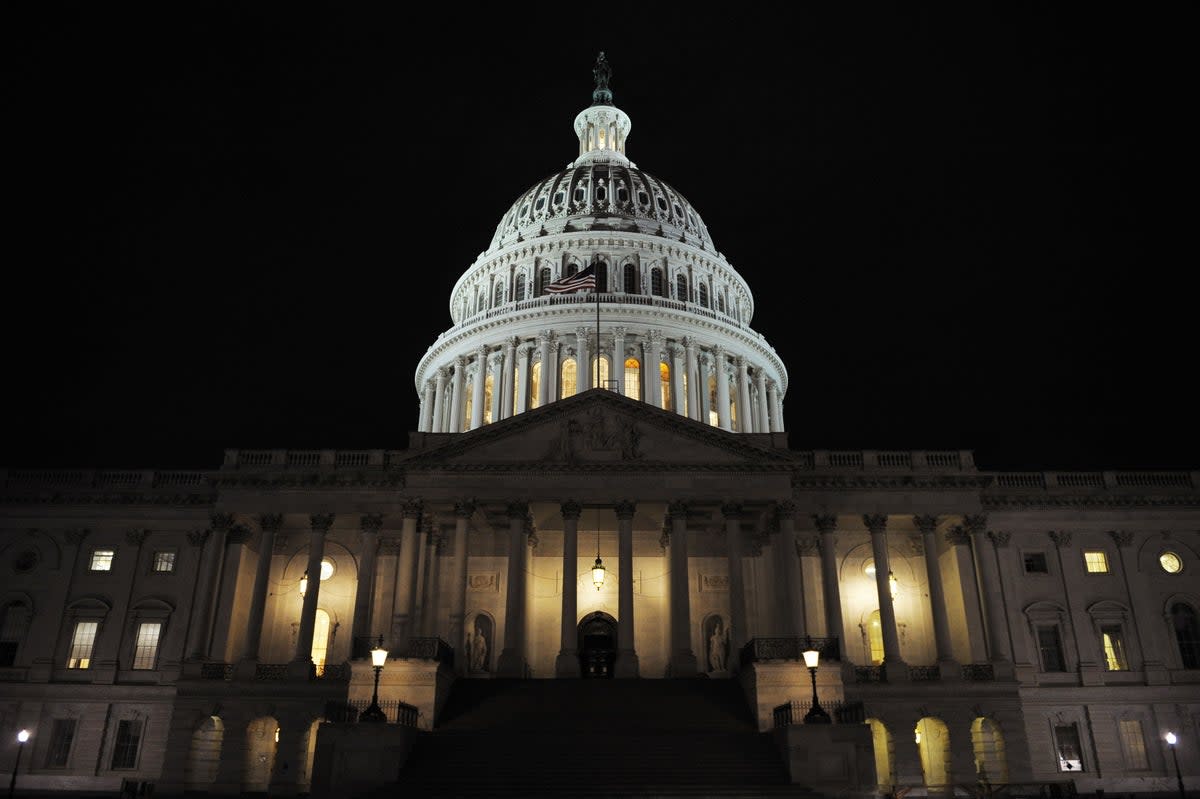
(597, 645)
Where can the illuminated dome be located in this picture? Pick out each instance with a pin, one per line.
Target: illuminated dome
(667, 297)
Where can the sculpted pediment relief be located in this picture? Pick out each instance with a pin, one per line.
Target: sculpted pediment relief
(593, 429)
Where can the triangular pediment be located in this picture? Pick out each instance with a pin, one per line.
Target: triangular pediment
(598, 428)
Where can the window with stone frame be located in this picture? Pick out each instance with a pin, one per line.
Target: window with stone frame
(163, 561)
(1035, 563)
(681, 288)
(1187, 634)
(1133, 741)
(520, 292)
(1050, 649)
(145, 646)
(703, 295)
(1068, 748)
(601, 276)
(498, 294)
(630, 279)
(1112, 641)
(83, 641)
(58, 751)
(127, 744)
(657, 286)
(14, 626)
(1095, 561)
(101, 560)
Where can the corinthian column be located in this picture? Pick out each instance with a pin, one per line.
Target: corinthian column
(678, 396)
(460, 382)
(439, 400)
(989, 581)
(512, 658)
(627, 659)
(693, 378)
(830, 591)
(722, 389)
(937, 596)
(653, 371)
(428, 400)
(776, 411)
(543, 341)
(618, 364)
(406, 592)
(567, 662)
(737, 591)
(683, 659)
(793, 577)
(745, 413)
(270, 524)
(583, 361)
(760, 383)
(510, 376)
(201, 632)
(364, 592)
(463, 511)
(496, 362)
(893, 664)
(301, 665)
(477, 384)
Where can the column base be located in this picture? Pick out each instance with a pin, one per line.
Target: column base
(895, 671)
(683, 664)
(626, 666)
(566, 665)
(510, 664)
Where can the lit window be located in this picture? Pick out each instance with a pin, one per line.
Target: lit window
(567, 383)
(1135, 744)
(164, 562)
(327, 569)
(82, 641)
(102, 560)
(875, 638)
(1066, 738)
(145, 648)
(1114, 648)
(61, 736)
(125, 750)
(633, 378)
(869, 568)
(1096, 562)
(1170, 562)
(1035, 563)
(320, 645)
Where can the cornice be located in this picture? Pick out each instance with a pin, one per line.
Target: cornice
(901, 482)
(59, 498)
(1104, 501)
(381, 478)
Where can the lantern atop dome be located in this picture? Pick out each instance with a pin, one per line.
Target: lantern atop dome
(603, 127)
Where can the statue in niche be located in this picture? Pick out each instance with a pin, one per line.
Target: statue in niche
(630, 439)
(716, 634)
(479, 642)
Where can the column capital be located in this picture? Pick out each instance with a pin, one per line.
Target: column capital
(625, 509)
(825, 522)
(238, 534)
(875, 522)
(675, 349)
(321, 522)
(442, 373)
(618, 331)
(957, 536)
(460, 362)
(1061, 538)
(526, 348)
(510, 344)
(926, 523)
(371, 522)
(655, 337)
(412, 508)
(691, 344)
(731, 510)
(741, 363)
(464, 508)
(571, 509)
(975, 523)
(677, 510)
(717, 350)
(772, 385)
(221, 521)
(272, 522)
(999, 539)
(544, 337)
(1122, 538)
(786, 509)
(496, 359)
(581, 333)
(195, 538)
(481, 352)
(517, 510)
(807, 545)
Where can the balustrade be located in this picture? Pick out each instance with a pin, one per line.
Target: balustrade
(789, 648)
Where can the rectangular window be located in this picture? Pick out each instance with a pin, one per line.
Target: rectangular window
(1096, 562)
(1035, 563)
(61, 736)
(145, 649)
(102, 560)
(1114, 648)
(1066, 739)
(164, 562)
(1135, 744)
(82, 641)
(1050, 646)
(129, 737)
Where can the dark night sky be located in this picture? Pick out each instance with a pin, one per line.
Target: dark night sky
(240, 229)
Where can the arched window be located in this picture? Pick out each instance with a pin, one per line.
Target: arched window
(543, 278)
(630, 279)
(498, 295)
(665, 384)
(603, 371)
(320, 646)
(633, 378)
(714, 416)
(875, 638)
(882, 738)
(569, 375)
(601, 276)
(720, 302)
(681, 288)
(480, 301)
(520, 295)
(657, 287)
(933, 744)
(487, 400)
(535, 383)
(990, 761)
(1187, 634)
(572, 268)
(703, 295)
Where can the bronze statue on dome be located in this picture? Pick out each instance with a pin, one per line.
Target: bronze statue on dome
(602, 72)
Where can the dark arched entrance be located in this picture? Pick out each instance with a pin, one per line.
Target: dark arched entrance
(597, 645)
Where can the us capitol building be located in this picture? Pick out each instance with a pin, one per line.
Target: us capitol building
(193, 629)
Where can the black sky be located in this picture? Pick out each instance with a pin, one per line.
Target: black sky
(239, 228)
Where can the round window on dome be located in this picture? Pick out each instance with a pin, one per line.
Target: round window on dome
(869, 568)
(1171, 563)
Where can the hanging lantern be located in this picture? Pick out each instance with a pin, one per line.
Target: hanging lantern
(598, 572)
(304, 585)
(893, 585)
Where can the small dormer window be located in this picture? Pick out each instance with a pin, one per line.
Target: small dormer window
(541, 203)
(678, 211)
(559, 196)
(601, 194)
(622, 195)
(579, 194)
(643, 198)
(524, 210)
(662, 204)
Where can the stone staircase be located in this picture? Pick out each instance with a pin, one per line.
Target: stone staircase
(611, 738)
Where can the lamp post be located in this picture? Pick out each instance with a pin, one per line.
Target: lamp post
(1171, 741)
(23, 736)
(378, 657)
(817, 714)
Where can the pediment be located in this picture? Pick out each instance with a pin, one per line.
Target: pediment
(598, 428)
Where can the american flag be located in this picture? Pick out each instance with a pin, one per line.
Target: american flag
(580, 281)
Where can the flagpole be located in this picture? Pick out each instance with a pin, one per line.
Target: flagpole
(597, 293)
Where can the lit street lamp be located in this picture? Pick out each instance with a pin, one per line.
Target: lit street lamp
(378, 657)
(1171, 741)
(817, 714)
(23, 736)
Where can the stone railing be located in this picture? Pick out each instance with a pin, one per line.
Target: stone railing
(868, 673)
(427, 649)
(1048, 481)
(788, 648)
(271, 672)
(924, 673)
(333, 672)
(104, 479)
(842, 712)
(324, 459)
(888, 460)
(978, 672)
(216, 671)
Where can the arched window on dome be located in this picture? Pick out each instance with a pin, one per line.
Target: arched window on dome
(498, 295)
(630, 279)
(543, 279)
(535, 383)
(604, 371)
(633, 378)
(487, 400)
(468, 406)
(601, 276)
(572, 268)
(520, 294)
(703, 296)
(568, 381)
(664, 373)
(481, 301)
(681, 287)
(720, 302)
(733, 413)
(657, 287)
